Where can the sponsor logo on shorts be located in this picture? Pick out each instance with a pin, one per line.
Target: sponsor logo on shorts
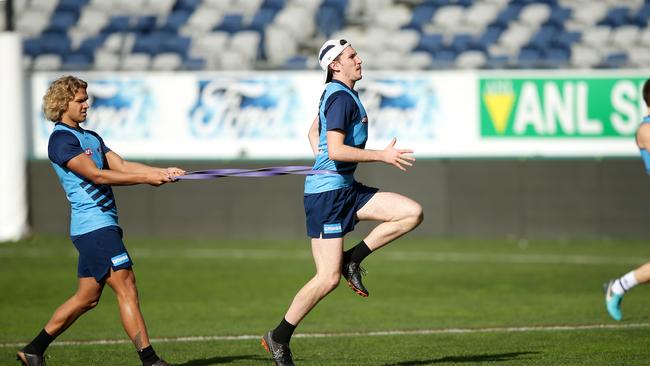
(120, 259)
(332, 228)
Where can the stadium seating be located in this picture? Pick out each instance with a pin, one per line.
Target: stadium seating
(286, 34)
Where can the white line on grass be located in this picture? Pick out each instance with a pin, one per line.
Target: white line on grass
(395, 255)
(417, 256)
(540, 328)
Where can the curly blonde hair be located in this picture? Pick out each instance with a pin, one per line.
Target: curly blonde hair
(59, 94)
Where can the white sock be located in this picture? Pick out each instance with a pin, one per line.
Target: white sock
(624, 284)
(628, 281)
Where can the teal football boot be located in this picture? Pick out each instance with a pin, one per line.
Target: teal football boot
(612, 301)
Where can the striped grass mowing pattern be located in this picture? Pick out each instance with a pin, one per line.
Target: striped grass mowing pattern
(432, 303)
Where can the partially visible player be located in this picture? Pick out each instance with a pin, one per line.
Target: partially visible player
(335, 203)
(87, 169)
(616, 288)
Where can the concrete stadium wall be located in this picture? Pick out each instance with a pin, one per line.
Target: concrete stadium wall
(462, 199)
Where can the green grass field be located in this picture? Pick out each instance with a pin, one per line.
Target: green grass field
(432, 302)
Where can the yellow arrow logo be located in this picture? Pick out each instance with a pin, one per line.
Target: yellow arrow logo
(499, 98)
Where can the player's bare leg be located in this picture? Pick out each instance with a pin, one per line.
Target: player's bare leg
(327, 254)
(86, 298)
(123, 283)
(398, 215)
(327, 257)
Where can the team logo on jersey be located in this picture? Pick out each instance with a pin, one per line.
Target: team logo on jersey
(364, 119)
(88, 151)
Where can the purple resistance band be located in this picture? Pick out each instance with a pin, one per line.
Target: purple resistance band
(261, 172)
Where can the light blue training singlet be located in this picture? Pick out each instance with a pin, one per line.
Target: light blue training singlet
(356, 135)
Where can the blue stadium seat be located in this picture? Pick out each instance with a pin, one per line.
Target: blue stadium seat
(193, 64)
(530, 58)
(231, 23)
(489, 37)
(187, 5)
(175, 20)
(61, 21)
(430, 43)
(33, 46)
(510, 13)
(77, 62)
(464, 3)
(145, 24)
(262, 19)
(296, 63)
(640, 18)
(339, 4)
(150, 44)
(329, 19)
(117, 24)
(462, 42)
(176, 44)
(528, 2)
(436, 3)
(89, 45)
(55, 44)
(616, 16)
(497, 62)
(559, 16)
(557, 58)
(422, 14)
(71, 5)
(444, 58)
(542, 39)
(566, 39)
(274, 4)
(614, 60)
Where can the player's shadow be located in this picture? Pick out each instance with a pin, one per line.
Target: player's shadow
(220, 360)
(497, 357)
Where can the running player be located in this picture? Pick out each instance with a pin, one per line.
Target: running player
(334, 203)
(616, 288)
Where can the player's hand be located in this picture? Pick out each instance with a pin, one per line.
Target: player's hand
(400, 158)
(174, 172)
(157, 177)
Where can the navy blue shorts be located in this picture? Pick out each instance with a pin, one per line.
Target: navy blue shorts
(333, 214)
(99, 251)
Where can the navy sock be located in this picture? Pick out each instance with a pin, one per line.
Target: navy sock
(283, 332)
(358, 252)
(39, 344)
(148, 356)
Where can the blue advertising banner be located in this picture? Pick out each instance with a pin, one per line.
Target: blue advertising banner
(406, 108)
(194, 116)
(243, 115)
(245, 108)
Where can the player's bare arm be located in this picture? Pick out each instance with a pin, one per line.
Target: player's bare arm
(84, 166)
(643, 136)
(399, 158)
(313, 136)
(117, 163)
